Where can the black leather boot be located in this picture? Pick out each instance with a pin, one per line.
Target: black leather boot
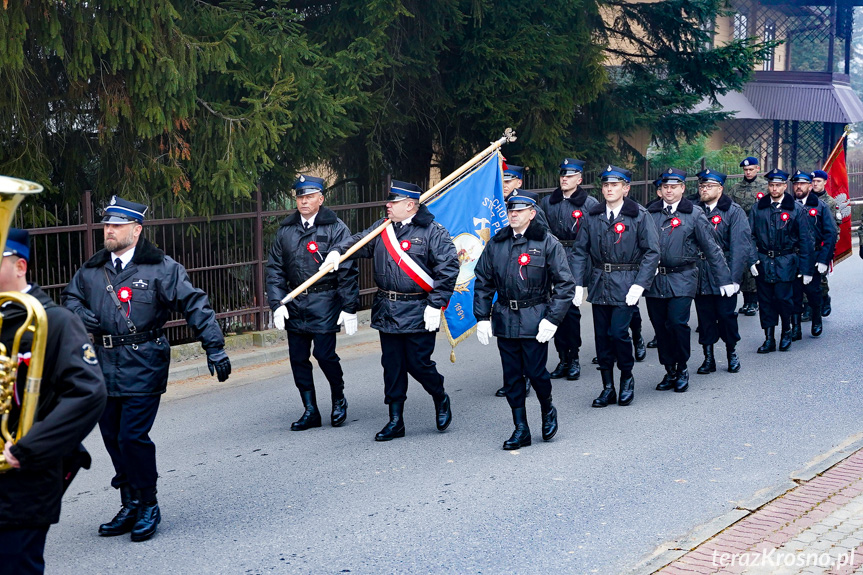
(769, 340)
(627, 388)
(340, 412)
(149, 517)
(640, 350)
(682, 382)
(562, 368)
(526, 387)
(826, 308)
(669, 380)
(709, 364)
(806, 316)
(796, 331)
(396, 426)
(652, 344)
(549, 419)
(574, 371)
(608, 395)
(733, 360)
(817, 325)
(500, 392)
(787, 337)
(311, 416)
(443, 413)
(595, 360)
(125, 519)
(521, 436)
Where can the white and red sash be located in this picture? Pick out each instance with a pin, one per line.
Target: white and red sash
(404, 261)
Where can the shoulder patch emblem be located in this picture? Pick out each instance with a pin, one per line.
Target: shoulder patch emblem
(88, 354)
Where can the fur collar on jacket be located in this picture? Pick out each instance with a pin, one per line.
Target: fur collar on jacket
(577, 198)
(629, 208)
(145, 254)
(787, 202)
(534, 231)
(684, 207)
(325, 217)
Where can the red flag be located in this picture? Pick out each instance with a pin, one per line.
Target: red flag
(837, 187)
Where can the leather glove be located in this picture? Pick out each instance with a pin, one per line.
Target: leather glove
(280, 316)
(349, 320)
(822, 268)
(579, 296)
(633, 294)
(483, 331)
(431, 315)
(91, 322)
(736, 287)
(218, 363)
(754, 271)
(546, 331)
(332, 258)
(728, 291)
(807, 279)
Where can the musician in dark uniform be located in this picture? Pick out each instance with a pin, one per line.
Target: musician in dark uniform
(784, 244)
(315, 315)
(124, 294)
(527, 268)
(415, 269)
(565, 211)
(616, 259)
(71, 399)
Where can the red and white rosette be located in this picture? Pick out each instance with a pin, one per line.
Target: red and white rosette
(675, 222)
(405, 245)
(313, 249)
(813, 212)
(523, 260)
(576, 215)
(784, 216)
(759, 195)
(619, 228)
(124, 294)
(716, 220)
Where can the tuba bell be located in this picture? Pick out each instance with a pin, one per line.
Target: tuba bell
(12, 192)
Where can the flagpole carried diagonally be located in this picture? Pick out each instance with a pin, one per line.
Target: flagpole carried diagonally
(832, 157)
(508, 136)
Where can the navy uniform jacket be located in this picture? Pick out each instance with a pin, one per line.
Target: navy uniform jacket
(295, 256)
(567, 216)
(159, 286)
(784, 231)
(71, 401)
(636, 244)
(432, 249)
(498, 270)
(822, 226)
(682, 246)
(731, 231)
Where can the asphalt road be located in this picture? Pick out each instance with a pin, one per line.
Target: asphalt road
(240, 493)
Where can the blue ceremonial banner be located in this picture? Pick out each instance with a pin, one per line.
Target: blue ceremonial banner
(472, 210)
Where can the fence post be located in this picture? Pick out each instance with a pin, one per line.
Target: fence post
(89, 248)
(259, 258)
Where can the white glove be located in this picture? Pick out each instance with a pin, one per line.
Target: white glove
(839, 216)
(633, 294)
(483, 331)
(807, 279)
(579, 296)
(546, 331)
(728, 290)
(279, 317)
(754, 271)
(822, 268)
(349, 320)
(432, 318)
(332, 258)
(736, 287)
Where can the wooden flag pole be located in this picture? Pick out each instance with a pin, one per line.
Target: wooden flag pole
(835, 151)
(508, 136)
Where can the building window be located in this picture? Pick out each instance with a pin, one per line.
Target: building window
(769, 36)
(741, 27)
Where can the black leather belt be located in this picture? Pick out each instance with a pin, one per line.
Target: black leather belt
(517, 304)
(620, 267)
(777, 253)
(108, 340)
(566, 243)
(399, 296)
(665, 270)
(319, 287)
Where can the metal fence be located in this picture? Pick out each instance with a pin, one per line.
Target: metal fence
(226, 254)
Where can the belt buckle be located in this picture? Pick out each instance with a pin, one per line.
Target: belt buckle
(107, 342)
(304, 292)
(606, 267)
(662, 270)
(771, 254)
(392, 296)
(513, 305)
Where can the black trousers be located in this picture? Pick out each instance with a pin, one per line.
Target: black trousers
(717, 319)
(775, 302)
(635, 324)
(125, 428)
(409, 353)
(814, 295)
(300, 350)
(22, 551)
(567, 338)
(522, 358)
(611, 333)
(670, 319)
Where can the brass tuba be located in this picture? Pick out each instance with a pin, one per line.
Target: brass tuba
(12, 192)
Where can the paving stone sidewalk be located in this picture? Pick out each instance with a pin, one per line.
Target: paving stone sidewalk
(815, 528)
